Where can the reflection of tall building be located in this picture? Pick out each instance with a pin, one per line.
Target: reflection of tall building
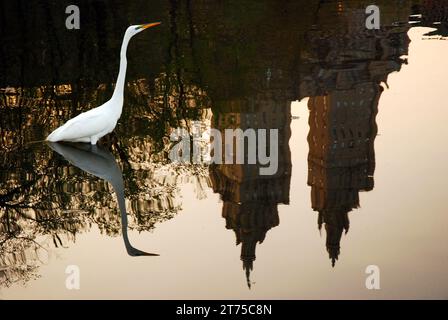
(250, 199)
(341, 159)
(345, 68)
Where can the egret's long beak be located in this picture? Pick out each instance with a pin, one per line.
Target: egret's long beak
(149, 25)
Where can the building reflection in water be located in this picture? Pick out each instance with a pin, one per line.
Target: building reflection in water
(343, 71)
(341, 159)
(250, 200)
(348, 66)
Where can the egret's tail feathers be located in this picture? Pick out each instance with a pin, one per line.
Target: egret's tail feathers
(55, 136)
(51, 137)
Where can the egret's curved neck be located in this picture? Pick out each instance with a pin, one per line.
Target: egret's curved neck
(119, 86)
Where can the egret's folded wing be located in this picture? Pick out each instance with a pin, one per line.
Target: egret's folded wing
(84, 125)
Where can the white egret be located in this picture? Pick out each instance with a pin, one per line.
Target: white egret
(94, 124)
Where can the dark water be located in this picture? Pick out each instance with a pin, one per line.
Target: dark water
(361, 154)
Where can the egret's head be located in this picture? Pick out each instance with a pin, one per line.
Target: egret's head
(133, 30)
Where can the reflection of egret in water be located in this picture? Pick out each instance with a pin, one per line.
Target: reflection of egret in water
(101, 163)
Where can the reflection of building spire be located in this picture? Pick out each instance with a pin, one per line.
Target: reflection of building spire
(248, 266)
(250, 224)
(336, 223)
(248, 257)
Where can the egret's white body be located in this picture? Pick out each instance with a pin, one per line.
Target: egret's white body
(94, 124)
(89, 126)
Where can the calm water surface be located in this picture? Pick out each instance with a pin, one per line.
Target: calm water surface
(361, 180)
